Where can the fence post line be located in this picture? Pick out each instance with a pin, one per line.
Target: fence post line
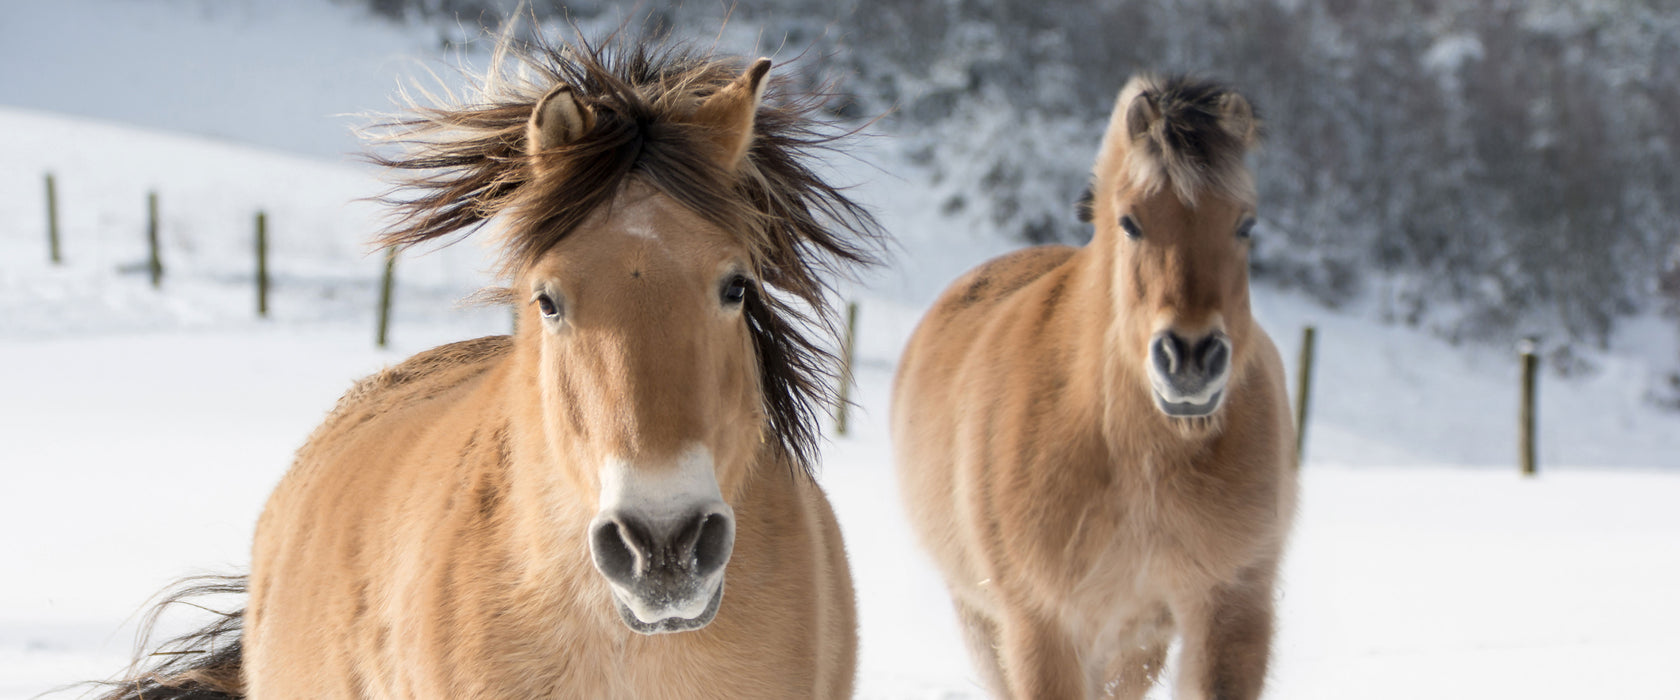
(52, 221)
(1525, 412)
(385, 294)
(155, 264)
(262, 264)
(846, 357)
(1303, 390)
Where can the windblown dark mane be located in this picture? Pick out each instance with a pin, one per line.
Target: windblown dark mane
(203, 665)
(471, 166)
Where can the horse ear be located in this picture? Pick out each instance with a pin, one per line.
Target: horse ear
(729, 112)
(1134, 113)
(1141, 114)
(1237, 117)
(558, 119)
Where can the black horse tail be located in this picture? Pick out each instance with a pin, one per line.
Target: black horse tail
(202, 665)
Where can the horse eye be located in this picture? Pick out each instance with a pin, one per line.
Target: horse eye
(1245, 230)
(1130, 226)
(547, 307)
(735, 291)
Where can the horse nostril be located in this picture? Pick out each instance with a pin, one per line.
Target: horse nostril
(625, 549)
(1213, 354)
(704, 543)
(716, 541)
(1168, 353)
(615, 548)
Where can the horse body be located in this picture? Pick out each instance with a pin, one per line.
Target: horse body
(404, 565)
(616, 501)
(1078, 525)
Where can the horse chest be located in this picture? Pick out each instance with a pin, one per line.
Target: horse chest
(1147, 530)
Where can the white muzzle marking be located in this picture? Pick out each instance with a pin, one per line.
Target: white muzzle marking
(661, 538)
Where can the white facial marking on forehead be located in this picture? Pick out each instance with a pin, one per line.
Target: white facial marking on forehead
(639, 219)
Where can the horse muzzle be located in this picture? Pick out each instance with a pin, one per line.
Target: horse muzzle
(665, 575)
(1188, 377)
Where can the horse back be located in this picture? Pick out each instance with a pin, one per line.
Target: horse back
(423, 377)
(987, 297)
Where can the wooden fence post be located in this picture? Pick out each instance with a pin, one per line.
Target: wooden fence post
(1303, 389)
(846, 357)
(385, 294)
(52, 221)
(155, 264)
(1525, 412)
(262, 264)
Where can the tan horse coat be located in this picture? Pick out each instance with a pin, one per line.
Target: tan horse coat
(413, 552)
(616, 502)
(431, 540)
(1078, 527)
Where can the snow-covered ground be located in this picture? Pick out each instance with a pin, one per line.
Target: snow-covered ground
(135, 458)
(141, 429)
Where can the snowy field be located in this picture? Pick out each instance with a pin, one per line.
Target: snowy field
(141, 429)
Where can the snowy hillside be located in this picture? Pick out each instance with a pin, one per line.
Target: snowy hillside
(141, 429)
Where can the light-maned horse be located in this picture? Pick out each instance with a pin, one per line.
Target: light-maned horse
(616, 501)
(1094, 443)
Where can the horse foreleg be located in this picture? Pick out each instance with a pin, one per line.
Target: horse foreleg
(1039, 662)
(1136, 671)
(981, 634)
(1227, 643)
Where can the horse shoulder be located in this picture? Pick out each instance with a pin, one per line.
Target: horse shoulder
(323, 554)
(836, 600)
(380, 418)
(1004, 399)
(1262, 435)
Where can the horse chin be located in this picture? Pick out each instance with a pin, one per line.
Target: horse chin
(1193, 420)
(669, 625)
(1190, 411)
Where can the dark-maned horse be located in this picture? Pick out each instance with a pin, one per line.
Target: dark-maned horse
(614, 502)
(1095, 443)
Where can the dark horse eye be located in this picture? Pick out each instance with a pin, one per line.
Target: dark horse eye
(547, 307)
(1245, 229)
(1130, 226)
(735, 291)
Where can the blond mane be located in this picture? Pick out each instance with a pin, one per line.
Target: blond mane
(1185, 134)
